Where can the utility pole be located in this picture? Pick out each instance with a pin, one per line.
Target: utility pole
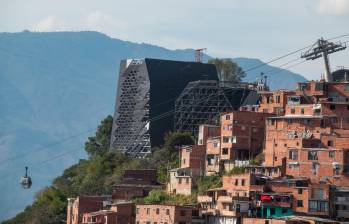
(322, 48)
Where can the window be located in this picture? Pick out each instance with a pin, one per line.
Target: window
(225, 151)
(243, 182)
(300, 191)
(215, 144)
(148, 211)
(183, 161)
(243, 128)
(318, 193)
(329, 143)
(293, 154)
(236, 182)
(182, 212)
(289, 121)
(272, 211)
(284, 210)
(299, 203)
(332, 106)
(312, 155)
(227, 117)
(293, 111)
(167, 211)
(187, 180)
(276, 158)
(226, 139)
(318, 206)
(179, 180)
(277, 99)
(157, 211)
(333, 120)
(331, 154)
(315, 168)
(265, 110)
(137, 210)
(302, 110)
(306, 121)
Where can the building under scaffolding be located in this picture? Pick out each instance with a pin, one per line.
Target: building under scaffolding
(201, 102)
(145, 101)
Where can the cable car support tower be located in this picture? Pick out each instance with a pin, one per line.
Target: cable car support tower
(322, 48)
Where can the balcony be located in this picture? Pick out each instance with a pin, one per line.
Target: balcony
(277, 200)
(204, 199)
(227, 199)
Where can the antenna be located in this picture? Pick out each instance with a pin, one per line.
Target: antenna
(322, 48)
(199, 53)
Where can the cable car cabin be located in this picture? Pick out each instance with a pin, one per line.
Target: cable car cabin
(26, 181)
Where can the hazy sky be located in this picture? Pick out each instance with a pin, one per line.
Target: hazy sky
(262, 29)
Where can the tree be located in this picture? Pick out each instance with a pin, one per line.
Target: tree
(228, 70)
(174, 140)
(99, 144)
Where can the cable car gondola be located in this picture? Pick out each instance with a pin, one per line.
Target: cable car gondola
(26, 181)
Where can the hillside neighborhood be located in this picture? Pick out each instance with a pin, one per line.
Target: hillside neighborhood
(281, 159)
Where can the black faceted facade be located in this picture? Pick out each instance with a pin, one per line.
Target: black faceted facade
(145, 102)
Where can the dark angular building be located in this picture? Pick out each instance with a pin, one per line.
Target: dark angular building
(145, 101)
(202, 102)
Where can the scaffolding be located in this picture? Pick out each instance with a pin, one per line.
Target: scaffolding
(202, 102)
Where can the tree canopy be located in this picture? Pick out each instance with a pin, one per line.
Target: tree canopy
(228, 70)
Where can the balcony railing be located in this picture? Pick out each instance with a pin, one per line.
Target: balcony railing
(204, 199)
(225, 199)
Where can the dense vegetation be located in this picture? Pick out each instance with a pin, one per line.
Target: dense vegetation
(97, 174)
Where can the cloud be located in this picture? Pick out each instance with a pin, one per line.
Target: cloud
(333, 7)
(50, 23)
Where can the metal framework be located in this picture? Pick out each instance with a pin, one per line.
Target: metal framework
(199, 54)
(322, 48)
(201, 102)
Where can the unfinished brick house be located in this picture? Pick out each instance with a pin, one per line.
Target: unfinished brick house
(117, 213)
(315, 125)
(192, 162)
(84, 204)
(242, 136)
(136, 183)
(166, 214)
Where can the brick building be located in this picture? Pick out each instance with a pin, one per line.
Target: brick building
(84, 204)
(242, 136)
(136, 183)
(118, 213)
(166, 214)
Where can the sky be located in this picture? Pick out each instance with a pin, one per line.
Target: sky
(263, 29)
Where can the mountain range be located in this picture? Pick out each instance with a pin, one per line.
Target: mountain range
(55, 88)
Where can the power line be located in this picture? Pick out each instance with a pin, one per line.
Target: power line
(46, 146)
(288, 54)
